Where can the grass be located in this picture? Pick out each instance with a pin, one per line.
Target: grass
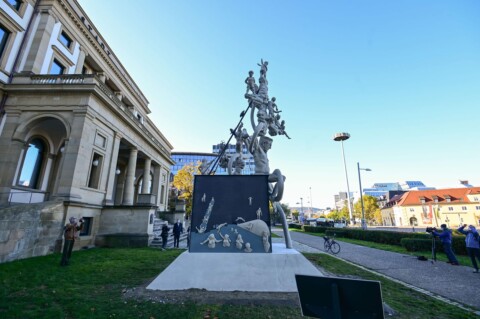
(91, 287)
(408, 303)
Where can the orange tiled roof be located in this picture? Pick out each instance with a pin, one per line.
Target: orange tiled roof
(456, 195)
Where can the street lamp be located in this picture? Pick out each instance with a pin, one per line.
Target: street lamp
(301, 211)
(340, 137)
(311, 202)
(364, 224)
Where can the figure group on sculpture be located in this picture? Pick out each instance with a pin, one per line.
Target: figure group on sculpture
(266, 123)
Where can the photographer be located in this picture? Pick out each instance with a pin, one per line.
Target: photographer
(472, 244)
(70, 232)
(446, 239)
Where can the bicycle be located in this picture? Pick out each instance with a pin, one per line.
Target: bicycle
(331, 245)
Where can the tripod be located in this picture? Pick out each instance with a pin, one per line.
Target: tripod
(434, 253)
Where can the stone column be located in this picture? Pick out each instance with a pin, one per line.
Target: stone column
(41, 39)
(130, 178)
(113, 168)
(10, 167)
(80, 62)
(74, 170)
(156, 183)
(146, 176)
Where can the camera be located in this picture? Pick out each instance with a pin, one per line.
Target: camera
(430, 229)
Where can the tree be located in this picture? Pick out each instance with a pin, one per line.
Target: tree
(339, 214)
(372, 211)
(275, 215)
(183, 182)
(295, 214)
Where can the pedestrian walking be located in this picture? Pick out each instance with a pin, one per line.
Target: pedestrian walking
(446, 239)
(164, 234)
(471, 241)
(177, 230)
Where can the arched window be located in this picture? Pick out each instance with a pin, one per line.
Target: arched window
(140, 185)
(32, 164)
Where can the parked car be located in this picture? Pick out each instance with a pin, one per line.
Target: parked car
(324, 222)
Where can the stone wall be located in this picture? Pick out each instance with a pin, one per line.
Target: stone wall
(31, 230)
(122, 226)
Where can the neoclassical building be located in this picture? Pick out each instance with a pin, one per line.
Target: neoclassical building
(75, 136)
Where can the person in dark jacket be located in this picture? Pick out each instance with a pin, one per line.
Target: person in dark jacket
(177, 230)
(473, 247)
(164, 235)
(446, 239)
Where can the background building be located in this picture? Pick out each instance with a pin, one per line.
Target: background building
(75, 137)
(431, 208)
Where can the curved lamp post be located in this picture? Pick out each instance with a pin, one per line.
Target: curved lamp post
(340, 137)
(364, 224)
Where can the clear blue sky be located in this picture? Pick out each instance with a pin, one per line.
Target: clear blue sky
(402, 77)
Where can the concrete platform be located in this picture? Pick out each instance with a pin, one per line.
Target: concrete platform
(273, 272)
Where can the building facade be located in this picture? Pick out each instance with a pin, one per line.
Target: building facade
(431, 208)
(74, 129)
(186, 158)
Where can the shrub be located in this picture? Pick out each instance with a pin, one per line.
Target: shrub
(389, 237)
(337, 232)
(419, 244)
(315, 229)
(295, 226)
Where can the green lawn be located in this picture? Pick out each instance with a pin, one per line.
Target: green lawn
(463, 260)
(91, 287)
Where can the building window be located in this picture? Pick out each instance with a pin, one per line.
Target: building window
(87, 226)
(16, 4)
(32, 164)
(57, 67)
(4, 33)
(66, 40)
(475, 199)
(464, 207)
(95, 168)
(140, 185)
(162, 194)
(450, 208)
(412, 209)
(477, 207)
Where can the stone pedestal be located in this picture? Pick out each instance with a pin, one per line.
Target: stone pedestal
(273, 272)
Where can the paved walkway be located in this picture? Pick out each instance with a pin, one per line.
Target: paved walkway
(455, 283)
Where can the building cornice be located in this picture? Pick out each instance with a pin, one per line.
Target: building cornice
(103, 50)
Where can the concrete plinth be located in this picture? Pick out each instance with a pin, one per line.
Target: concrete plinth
(273, 272)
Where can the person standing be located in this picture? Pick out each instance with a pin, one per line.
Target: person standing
(471, 241)
(164, 234)
(177, 230)
(446, 239)
(188, 236)
(70, 233)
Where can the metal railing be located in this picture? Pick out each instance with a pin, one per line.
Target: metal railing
(75, 79)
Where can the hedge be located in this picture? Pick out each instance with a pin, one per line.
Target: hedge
(387, 237)
(417, 244)
(296, 226)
